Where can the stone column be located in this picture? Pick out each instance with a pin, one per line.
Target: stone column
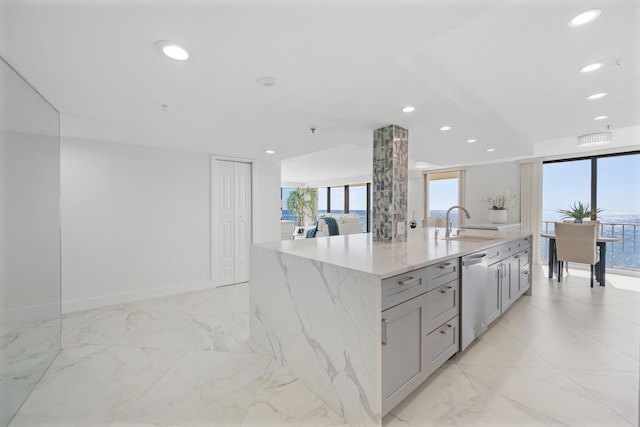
(390, 182)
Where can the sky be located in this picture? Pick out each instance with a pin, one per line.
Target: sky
(618, 186)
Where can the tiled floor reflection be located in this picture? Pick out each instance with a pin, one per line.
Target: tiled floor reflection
(568, 355)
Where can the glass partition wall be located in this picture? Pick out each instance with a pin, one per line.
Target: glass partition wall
(30, 294)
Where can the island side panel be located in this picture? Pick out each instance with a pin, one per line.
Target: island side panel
(322, 322)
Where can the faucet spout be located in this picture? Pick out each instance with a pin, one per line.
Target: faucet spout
(448, 225)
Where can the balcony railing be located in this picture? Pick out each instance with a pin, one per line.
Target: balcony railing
(623, 255)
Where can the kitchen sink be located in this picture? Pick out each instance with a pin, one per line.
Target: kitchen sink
(464, 238)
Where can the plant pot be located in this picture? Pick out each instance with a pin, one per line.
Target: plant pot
(498, 216)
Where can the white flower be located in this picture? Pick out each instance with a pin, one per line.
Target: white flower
(500, 201)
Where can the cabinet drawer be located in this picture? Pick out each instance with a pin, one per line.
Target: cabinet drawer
(441, 273)
(442, 343)
(494, 253)
(400, 288)
(441, 304)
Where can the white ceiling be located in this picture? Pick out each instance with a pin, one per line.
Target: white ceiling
(504, 72)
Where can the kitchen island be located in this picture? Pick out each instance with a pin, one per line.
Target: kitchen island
(362, 323)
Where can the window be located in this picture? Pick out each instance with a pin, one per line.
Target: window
(336, 205)
(350, 198)
(442, 190)
(610, 183)
(286, 215)
(322, 200)
(358, 202)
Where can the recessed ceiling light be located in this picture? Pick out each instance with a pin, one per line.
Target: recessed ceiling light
(471, 141)
(408, 109)
(591, 67)
(266, 81)
(490, 150)
(172, 50)
(445, 128)
(269, 151)
(597, 96)
(600, 117)
(584, 17)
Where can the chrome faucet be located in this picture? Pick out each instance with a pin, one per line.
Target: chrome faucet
(448, 224)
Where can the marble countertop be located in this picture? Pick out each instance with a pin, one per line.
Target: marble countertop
(359, 252)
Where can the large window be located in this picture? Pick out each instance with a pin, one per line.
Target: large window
(323, 199)
(286, 215)
(442, 193)
(358, 202)
(353, 198)
(610, 183)
(337, 200)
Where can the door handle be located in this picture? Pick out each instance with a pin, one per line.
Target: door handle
(409, 281)
(384, 331)
(447, 330)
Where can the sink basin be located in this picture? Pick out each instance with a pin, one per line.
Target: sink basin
(463, 238)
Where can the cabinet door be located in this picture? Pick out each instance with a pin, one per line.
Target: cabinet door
(402, 348)
(494, 298)
(511, 281)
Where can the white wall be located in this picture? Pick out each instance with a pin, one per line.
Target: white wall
(415, 196)
(266, 201)
(493, 178)
(136, 221)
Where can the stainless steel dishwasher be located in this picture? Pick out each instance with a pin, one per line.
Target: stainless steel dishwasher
(473, 317)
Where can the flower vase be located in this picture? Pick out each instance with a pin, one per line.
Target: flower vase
(498, 216)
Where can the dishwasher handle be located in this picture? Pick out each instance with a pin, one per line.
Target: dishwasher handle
(473, 259)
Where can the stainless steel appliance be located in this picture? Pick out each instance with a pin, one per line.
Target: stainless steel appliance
(473, 294)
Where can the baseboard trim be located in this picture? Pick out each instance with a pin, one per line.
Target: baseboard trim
(70, 306)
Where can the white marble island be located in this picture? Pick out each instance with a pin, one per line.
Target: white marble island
(316, 306)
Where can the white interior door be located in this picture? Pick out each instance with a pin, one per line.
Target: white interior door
(231, 235)
(242, 241)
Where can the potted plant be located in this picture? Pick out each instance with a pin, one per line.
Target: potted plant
(579, 212)
(498, 204)
(300, 201)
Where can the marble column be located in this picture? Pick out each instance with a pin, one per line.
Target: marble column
(390, 182)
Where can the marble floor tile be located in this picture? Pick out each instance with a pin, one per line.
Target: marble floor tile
(619, 391)
(499, 347)
(567, 355)
(205, 388)
(447, 398)
(538, 397)
(281, 400)
(92, 384)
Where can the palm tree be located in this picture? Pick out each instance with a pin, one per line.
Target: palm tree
(301, 202)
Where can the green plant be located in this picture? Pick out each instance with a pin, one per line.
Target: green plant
(579, 211)
(300, 201)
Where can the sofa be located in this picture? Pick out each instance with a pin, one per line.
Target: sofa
(347, 224)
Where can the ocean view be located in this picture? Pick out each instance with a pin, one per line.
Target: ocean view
(624, 225)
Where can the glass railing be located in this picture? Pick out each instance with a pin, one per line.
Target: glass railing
(623, 254)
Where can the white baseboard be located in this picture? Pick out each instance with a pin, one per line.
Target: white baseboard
(70, 306)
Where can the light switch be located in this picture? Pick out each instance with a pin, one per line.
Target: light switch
(401, 227)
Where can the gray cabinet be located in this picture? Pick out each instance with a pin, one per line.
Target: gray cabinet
(509, 276)
(402, 349)
(421, 332)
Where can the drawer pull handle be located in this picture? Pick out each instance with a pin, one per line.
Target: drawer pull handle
(384, 331)
(447, 330)
(445, 265)
(516, 256)
(446, 291)
(525, 272)
(409, 281)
